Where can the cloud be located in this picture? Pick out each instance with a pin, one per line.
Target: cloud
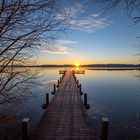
(80, 18)
(66, 42)
(90, 24)
(61, 46)
(56, 49)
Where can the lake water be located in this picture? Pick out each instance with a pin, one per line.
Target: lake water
(114, 94)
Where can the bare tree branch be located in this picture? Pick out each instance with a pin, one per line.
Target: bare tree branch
(24, 24)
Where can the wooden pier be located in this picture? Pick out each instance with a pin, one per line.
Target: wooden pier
(65, 116)
(76, 71)
(62, 71)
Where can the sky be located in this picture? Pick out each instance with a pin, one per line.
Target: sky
(94, 37)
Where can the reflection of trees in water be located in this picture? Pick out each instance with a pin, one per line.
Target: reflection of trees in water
(15, 85)
(13, 95)
(128, 129)
(12, 111)
(49, 84)
(124, 130)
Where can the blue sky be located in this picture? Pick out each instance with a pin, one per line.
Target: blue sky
(94, 38)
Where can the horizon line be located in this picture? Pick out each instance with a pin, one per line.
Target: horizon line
(107, 64)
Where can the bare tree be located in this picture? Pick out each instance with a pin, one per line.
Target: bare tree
(24, 25)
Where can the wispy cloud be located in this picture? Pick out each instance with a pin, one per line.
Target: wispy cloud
(90, 24)
(80, 18)
(66, 42)
(61, 46)
(56, 49)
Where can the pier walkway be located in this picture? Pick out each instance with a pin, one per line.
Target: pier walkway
(65, 116)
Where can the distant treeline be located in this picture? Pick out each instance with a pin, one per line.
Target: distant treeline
(111, 65)
(89, 65)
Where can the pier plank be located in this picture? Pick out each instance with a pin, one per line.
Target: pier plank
(65, 117)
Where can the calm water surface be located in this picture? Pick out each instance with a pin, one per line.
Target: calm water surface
(116, 95)
(111, 94)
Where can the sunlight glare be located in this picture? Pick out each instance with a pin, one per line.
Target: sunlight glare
(77, 64)
(77, 68)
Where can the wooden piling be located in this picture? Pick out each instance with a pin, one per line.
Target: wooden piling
(80, 89)
(47, 99)
(85, 100)
(44, 106)
(75, 78)
(104, 129)
(77, 82)
(63, 76)
(26, 129)
(86, 105)
(58, 82)
(54, 89)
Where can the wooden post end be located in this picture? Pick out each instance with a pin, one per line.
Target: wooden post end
(47, 99)
(104, 129)
(85, 100)
(26, 129)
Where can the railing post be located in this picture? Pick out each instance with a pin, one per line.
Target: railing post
(54, 89)
(104, 130)
(63, 75)
(44, 106)
(47, 99)
(87, 106)
(26, 129)
(80, 90)
(74, 76)
(58, 83)
(85, 100)
(77, 82)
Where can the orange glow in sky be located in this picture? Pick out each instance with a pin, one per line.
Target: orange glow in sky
(83, 61)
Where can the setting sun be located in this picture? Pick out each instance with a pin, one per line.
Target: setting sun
(77, 64)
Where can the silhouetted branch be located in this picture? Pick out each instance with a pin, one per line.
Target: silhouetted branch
(24, 25)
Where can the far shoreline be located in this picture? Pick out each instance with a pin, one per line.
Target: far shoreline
(110, 67)
(88, 65)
